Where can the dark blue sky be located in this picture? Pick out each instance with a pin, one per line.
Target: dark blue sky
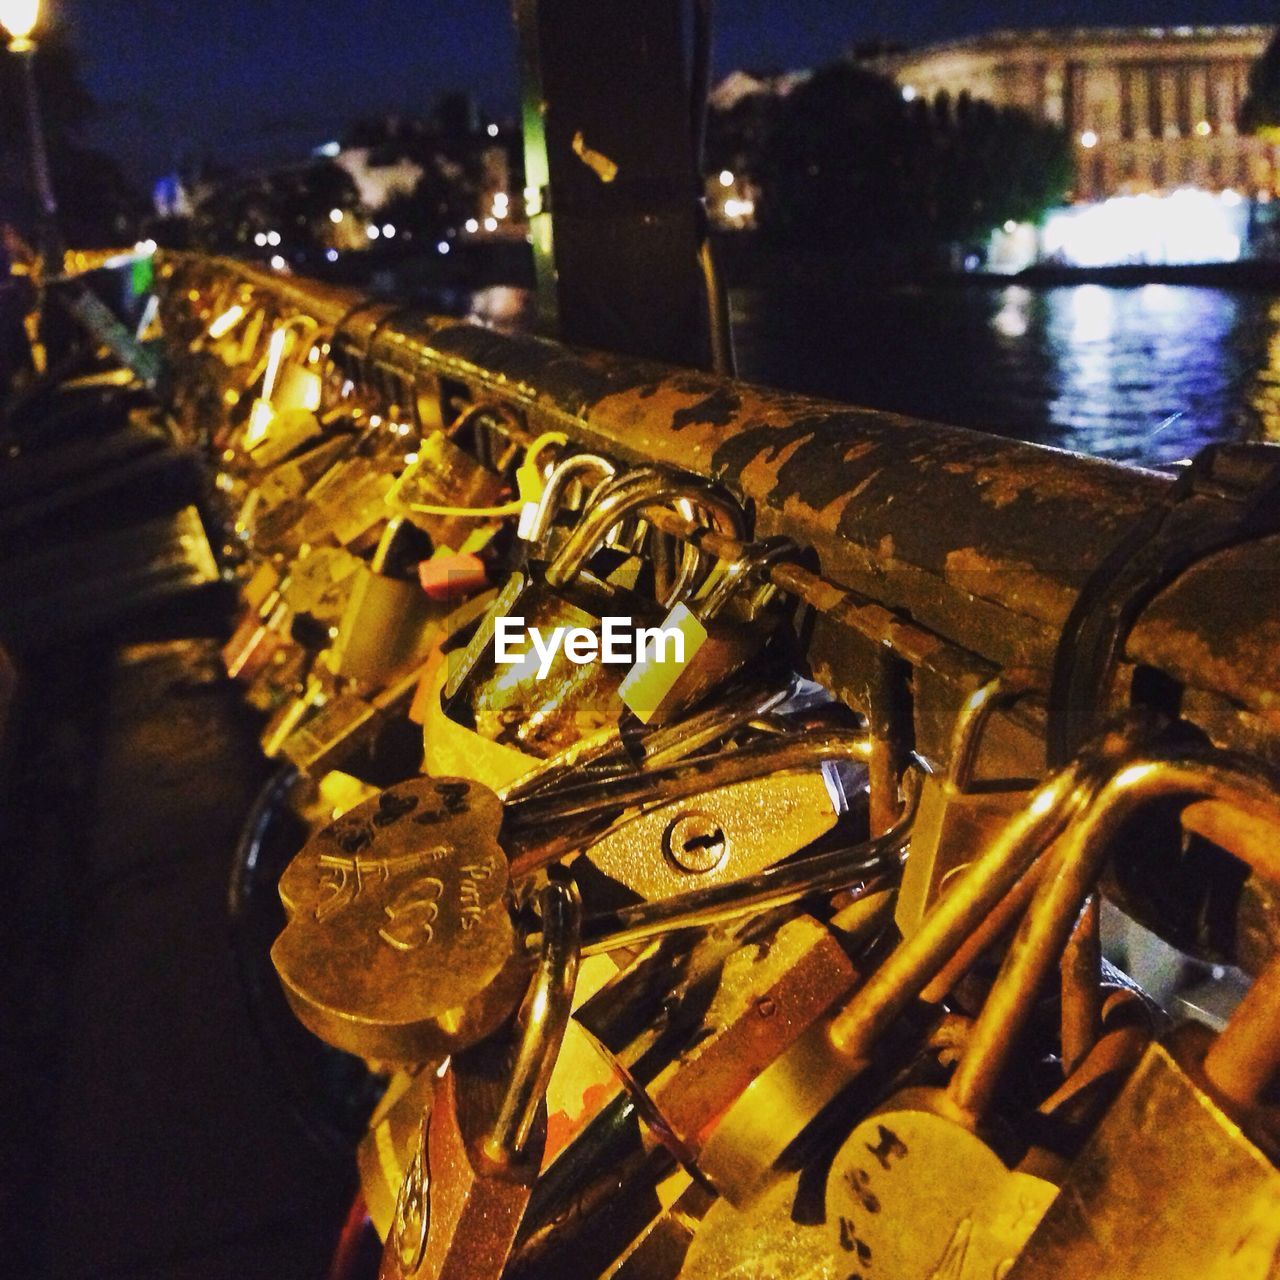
(258, 80)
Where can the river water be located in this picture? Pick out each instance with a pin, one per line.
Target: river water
(1145, 374)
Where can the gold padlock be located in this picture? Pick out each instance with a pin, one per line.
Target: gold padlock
(386, 627)
(784, 1099)
(1180, 1180)
(759, 805)
(480, 1152)
(283, 415)
(541, 712)
(957, 816)
(661, 685)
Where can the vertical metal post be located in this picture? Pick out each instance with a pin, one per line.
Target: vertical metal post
(51, 245)
(612, 187)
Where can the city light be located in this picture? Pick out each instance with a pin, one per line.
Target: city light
(1204, 129)
(909, 93)
(726, 177)
(19, 18)
(260, 239)
(273, 238)
(277, 262)
(493, 131)
(372, 232)
(472, 225)
(1184, 227)
(389, 230)
(442, 247)
(226, 322)
(1010, 226)
(331, 255)
(491, 224)
(739, 208)
(329, 149)
(1088, 139)
(336, 216)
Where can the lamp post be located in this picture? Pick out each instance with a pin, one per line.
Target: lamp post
(19, 18)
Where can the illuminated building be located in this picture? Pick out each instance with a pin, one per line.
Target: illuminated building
(1148, 109)
(1151, 113)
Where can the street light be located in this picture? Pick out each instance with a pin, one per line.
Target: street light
(19, 18)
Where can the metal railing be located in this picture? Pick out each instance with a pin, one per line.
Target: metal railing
(936, 556)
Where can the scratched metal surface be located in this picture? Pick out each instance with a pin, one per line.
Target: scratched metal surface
(983, 541)
(968, 548)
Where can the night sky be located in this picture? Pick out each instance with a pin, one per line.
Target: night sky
(257, 81)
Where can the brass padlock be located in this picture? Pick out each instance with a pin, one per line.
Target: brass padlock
(768, 1241)
(661, 686)
(784, 1099)
(1180, 1180)
(387, 625)
(345, 503)
(279, 498)
(388, 1148)
(690, 1029)
(463, 1199)
(442, 475)
(283, 417)
(755, 808)
(957, 816)
(319, 582)
(924, 1158)
(580, 1086)
(542, 711)
(400, 944)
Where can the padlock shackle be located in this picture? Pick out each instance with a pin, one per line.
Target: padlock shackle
(976, 890)
(1128, 785)
(545, 1015)
(975, 714)
(562, 475)
(626, 496)
(756, 557)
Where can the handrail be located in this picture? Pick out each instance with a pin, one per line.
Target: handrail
(939, 555)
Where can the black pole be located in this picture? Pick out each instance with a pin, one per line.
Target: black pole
(51, 245)
(614, 192)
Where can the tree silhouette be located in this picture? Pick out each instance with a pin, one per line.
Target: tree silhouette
(1260, 112)
(850, 166)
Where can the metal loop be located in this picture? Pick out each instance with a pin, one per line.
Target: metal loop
(545, 1014)
(626, 496)
(562, 475)
(1137, 779)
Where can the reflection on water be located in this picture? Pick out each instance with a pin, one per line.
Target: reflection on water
(1146, 374)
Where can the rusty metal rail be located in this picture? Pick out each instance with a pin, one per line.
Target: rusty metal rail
(939, 556)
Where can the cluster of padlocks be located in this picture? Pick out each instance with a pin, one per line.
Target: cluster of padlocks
(674, 971)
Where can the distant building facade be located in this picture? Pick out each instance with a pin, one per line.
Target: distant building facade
(1148, 110)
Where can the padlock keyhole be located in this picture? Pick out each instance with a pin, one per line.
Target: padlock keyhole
(696, 842)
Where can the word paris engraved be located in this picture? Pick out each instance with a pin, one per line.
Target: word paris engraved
(397, 917)
(618, 642)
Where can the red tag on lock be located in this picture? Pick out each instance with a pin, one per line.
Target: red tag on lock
(451, 577)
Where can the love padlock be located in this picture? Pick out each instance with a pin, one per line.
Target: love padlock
(466, 1190)
(536, 710)
(400, 943)
(1180, 1180)
(957, 815)
(661, 685)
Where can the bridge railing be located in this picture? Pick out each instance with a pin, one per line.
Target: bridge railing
(936, 556)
